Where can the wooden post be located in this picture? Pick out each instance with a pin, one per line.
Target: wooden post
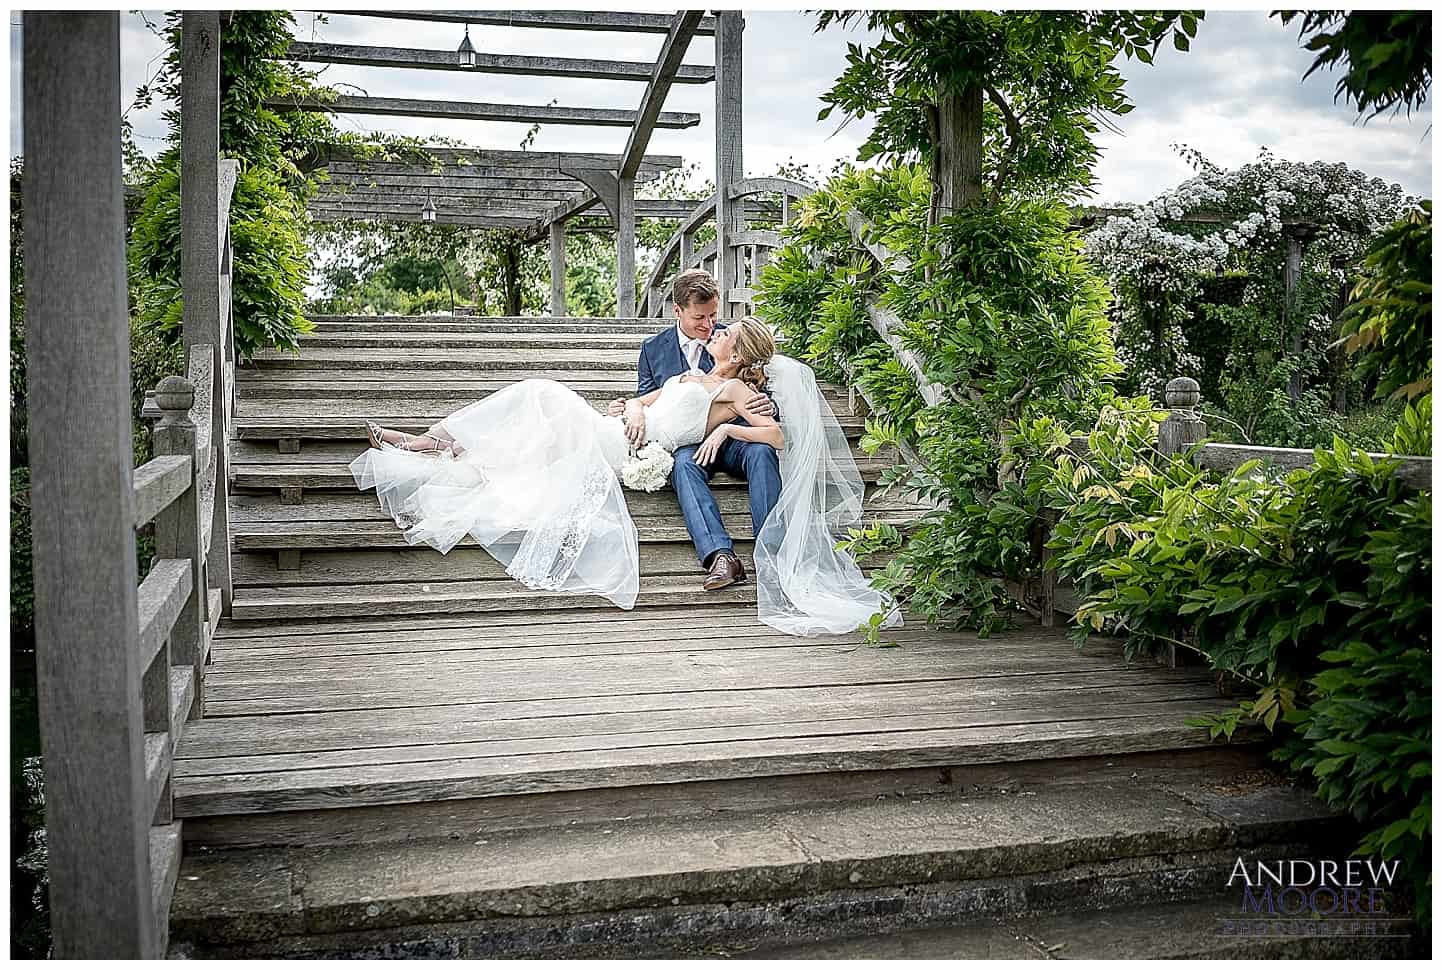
(729, 166)
(200, 176)
(178, 528)
(86, 619)
(201, 241)
(626, 248)
(558, 269)
(1291, 326)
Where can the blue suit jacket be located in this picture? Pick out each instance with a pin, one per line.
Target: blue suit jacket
(661, 360)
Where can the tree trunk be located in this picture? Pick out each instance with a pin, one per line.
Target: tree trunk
(512, 283)
(957, 154)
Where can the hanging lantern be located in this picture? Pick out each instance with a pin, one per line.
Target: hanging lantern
(467, 52)
(428, 211)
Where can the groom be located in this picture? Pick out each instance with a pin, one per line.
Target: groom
(696, 300)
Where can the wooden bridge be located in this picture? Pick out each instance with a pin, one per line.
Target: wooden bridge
(299, 735)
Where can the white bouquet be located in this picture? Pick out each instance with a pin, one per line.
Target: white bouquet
(647, 470)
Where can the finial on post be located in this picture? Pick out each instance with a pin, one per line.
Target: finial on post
(1183, 427)
(174, 433)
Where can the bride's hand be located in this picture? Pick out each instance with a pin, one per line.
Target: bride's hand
(635, 423)
(711, 447)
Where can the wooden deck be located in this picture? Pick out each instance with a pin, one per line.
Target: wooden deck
(367, 712)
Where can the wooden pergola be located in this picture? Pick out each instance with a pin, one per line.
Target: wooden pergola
(538, 193)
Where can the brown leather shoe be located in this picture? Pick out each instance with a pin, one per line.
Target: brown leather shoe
(725, 570)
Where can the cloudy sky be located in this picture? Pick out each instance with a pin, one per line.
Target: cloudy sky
(1239, 88)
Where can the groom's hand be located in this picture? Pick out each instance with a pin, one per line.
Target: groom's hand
(616, 408)
(760, 405)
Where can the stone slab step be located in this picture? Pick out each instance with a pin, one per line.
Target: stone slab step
(410, 599)
(653, 886)
(1205, 929)
(335, 475)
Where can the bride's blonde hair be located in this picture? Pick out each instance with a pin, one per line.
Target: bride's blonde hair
(755, 345)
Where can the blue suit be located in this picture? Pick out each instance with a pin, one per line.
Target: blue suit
(753, 461)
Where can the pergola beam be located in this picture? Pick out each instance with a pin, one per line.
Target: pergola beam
(484, 161)
(413, 215)
(448, 60)
(647, 23)
(481, 111)
(649, 115)
(412, 195)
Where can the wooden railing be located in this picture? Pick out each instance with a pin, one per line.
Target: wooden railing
(749, 249)
(120, 657)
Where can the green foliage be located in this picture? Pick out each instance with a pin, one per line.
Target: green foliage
(1310, 589)
(1006, 315)
(1389, 324)
(267, 217)
(1047, 77)
(1387, 53)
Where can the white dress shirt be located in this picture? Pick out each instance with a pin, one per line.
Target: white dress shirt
(691, 348)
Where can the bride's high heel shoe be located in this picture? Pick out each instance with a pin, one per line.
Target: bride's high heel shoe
(376, 434)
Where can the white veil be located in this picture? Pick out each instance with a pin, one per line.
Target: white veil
(804, 586)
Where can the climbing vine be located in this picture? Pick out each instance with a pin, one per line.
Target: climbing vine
(1207, 299)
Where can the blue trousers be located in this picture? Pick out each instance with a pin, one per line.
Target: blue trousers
(753, 461)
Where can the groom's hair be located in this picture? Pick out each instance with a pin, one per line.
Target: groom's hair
(693, 285)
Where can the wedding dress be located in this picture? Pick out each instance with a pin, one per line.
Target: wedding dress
(537, 484)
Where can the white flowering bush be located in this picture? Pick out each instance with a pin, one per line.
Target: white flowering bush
(648, 470)
(1166, 274)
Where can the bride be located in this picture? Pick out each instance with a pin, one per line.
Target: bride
(532, 473)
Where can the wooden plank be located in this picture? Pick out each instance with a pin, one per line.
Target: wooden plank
(367, 214)
(558, 269)
(327, 475)
(385, 534)
(729, 156)
(164, 851)
(362, 361)
(182, 699)
(624, 217)
(479, 160)
(480, 111)
(547, 736)
(754, 186)
(519, 64)
(157, 483)
(675, 764)
(158, 761)
(656, 23)
(471, 597)
(162, 597)
(78, 352)
(649, 115)
(1414, 472)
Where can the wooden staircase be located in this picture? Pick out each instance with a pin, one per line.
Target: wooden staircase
(373, 709)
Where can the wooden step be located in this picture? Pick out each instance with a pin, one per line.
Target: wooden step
(335, 475)
(345, 421)
(463, 384)
(357, 322)
(350, 534)
(360, 359)
(266, 507)
(421, 564)
(409, 599)
(728, 883)
(414, 340)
